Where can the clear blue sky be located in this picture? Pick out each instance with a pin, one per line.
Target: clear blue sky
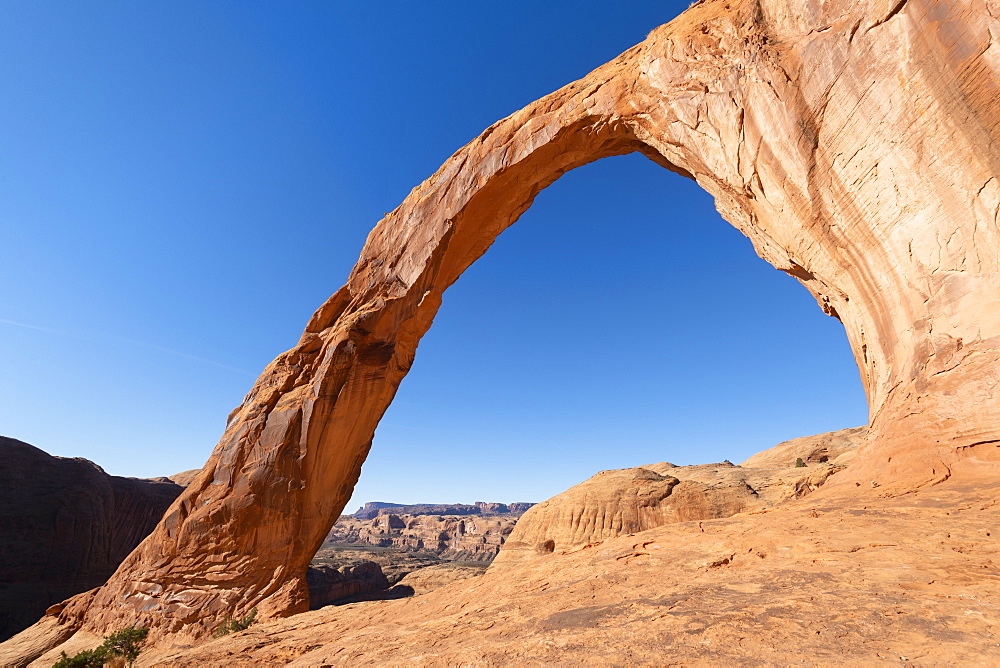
(183, 183)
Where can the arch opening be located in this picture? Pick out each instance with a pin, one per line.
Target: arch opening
(620, 285)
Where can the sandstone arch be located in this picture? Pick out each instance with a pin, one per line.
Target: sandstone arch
(853, 142)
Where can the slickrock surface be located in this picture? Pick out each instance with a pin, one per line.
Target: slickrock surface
(461, 538)
(854, 143)
(65, 525)
(816, 583)
(614, 503)
(428, 579)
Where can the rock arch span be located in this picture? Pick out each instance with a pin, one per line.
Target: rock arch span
(854, 143)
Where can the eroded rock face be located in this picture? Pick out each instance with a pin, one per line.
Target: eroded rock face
(65, 525)
(854, 143)
(627, 501)
(459, 538)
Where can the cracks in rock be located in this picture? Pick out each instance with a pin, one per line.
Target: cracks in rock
(896, 9)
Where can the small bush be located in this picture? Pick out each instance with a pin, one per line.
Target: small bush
(89, 658)
(233, 625)
(799, 464)
(124, 643)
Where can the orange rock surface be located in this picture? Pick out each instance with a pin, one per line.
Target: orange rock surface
(854, 143)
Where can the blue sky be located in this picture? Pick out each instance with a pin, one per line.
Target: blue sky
(182, 184)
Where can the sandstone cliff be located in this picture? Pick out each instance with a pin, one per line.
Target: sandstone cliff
(65, 525)
(854, 143)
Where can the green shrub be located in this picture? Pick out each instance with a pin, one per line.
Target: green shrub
(89, 658)
(799, 464)
(233, 625)
(124, 643)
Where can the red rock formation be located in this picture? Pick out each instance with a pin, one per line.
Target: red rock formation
(854, 143)
(65, 525)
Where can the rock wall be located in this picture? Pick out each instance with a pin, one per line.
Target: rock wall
(854, 143)
(457, 538)
(65, 525)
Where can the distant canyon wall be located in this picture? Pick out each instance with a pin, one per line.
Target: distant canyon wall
(456, 538)
(376, 508)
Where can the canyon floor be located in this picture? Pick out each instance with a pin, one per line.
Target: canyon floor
(911, 579)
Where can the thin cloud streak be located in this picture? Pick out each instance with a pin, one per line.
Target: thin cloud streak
(114, 337)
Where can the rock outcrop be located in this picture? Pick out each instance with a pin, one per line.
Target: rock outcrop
(65, 525)
(854, 143)
(627, 501)
(458, 538)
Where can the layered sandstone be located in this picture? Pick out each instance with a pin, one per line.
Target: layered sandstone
(628, 501)
(65, 525)
(458, 538)
(854, 143)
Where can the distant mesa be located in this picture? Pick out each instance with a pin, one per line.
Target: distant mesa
(373, 509)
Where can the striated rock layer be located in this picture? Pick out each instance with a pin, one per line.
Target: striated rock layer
(65, 525)
(854, 143)
(627, 501)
